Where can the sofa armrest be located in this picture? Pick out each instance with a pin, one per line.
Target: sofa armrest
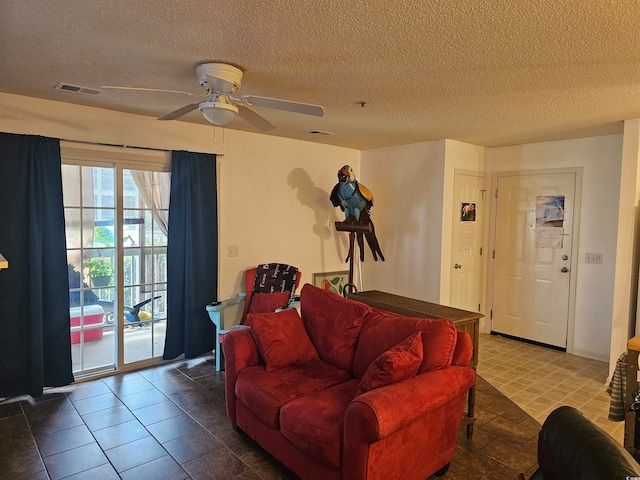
(383, 411)
(240, 352)
(389, 429)
(464, 349)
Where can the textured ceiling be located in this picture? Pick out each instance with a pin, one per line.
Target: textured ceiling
(485, 72)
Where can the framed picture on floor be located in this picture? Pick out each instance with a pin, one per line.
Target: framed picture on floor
(331, 281)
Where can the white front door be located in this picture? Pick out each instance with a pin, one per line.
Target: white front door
(466, 242)
(532, 251)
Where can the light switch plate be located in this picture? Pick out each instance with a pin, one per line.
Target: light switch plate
(594, 258)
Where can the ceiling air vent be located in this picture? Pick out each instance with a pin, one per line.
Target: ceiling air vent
(320, 132)
(66, 87)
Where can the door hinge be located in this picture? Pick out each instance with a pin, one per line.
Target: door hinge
(480, 251)
(494, 254)
(491, 314)
(478, 307)
(496, 193)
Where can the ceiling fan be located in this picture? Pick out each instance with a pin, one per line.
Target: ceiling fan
(221, 80)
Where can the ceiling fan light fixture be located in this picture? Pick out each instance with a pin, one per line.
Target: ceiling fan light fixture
(218, 113)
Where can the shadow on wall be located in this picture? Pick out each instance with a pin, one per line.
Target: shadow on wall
(317, 200)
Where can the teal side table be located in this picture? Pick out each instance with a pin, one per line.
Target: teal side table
(216, 314)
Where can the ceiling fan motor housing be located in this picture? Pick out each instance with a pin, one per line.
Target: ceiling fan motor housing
(219, 77)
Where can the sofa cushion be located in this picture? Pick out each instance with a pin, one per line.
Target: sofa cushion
(396, 364)
(264, 393)
(382, 330)
(281, 338)
(313, 423)
(268, 302)
(333, 324)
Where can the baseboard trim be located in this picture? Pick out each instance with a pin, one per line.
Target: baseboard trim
(526, 340)
(593, 356)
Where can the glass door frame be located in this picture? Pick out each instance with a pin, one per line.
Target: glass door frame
(119, 158)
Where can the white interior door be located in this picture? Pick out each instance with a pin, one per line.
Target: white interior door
(466, 260)
(532, 266)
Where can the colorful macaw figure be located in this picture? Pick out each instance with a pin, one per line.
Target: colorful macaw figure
(352, 197)
(356, 200)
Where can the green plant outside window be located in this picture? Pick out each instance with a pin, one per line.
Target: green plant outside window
(99, 267)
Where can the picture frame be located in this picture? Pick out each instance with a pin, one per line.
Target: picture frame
(332, 281)
(468, 212)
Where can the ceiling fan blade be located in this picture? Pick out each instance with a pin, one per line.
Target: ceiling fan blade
(161, 90)
(297, 107)
(255, 119)
(180, 112)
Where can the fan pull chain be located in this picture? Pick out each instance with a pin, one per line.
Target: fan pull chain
(214, 135)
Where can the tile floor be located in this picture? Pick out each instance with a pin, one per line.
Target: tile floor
(169, 422)
(539, 379)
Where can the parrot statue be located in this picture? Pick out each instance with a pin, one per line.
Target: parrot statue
(352, 197)
(356, 200)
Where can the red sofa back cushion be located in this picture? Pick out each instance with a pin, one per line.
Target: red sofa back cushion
(382, 330)
(333, 324)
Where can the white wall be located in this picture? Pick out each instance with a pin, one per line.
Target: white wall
(626, 281)
(273, 192)
(407, 184)
(412, 186)
(600, 158)
(413, 207)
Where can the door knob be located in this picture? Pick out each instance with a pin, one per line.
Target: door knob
(457, 266)
(564, 269)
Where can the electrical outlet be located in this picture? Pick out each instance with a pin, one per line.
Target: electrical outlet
(233, 251)
(595, 258)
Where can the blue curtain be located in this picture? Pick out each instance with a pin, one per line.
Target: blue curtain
(35, 345)
(192, 255)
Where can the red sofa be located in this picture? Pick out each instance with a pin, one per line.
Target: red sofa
(347, 391)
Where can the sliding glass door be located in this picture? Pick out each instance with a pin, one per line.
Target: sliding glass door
(116, 225)
(144, 253)
(89, 200)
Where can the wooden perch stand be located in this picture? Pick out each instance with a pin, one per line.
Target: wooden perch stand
(352, 228)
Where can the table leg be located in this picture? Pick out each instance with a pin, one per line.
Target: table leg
(217, 317)
(471, 411)
(219, 354)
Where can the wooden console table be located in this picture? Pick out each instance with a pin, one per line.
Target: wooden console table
(462, 319)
